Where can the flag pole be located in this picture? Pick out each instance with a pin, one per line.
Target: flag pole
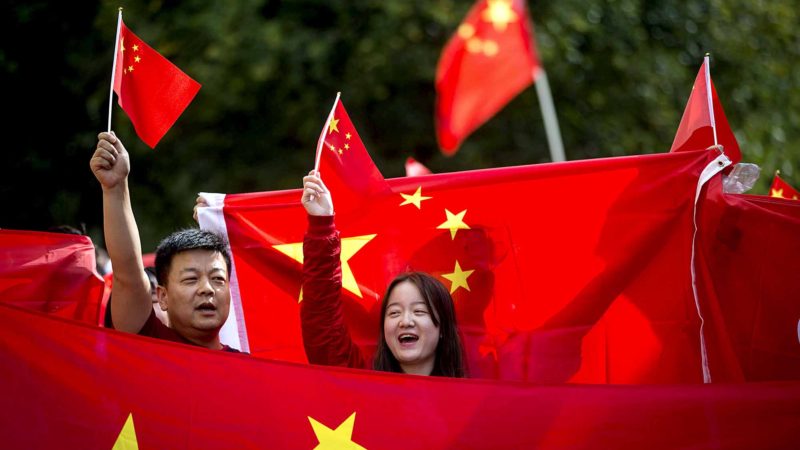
(709, 96)
(321, 140)
(114, 69)
(549, 115)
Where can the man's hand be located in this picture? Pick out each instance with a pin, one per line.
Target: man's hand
(110, 162)
(199, 202)
(316, 197)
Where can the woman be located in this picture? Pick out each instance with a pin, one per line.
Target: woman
(418, 332)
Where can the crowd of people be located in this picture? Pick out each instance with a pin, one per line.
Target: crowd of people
(190, 285)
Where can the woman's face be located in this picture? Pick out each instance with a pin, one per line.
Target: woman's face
(409, 330)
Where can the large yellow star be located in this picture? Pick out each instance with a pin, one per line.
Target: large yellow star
(350, 246)
(458, 278)
(340, 438)
(333, 126)
(454, 223)
(416, 199)
(500, 14)
(127, 437)
(777, 193)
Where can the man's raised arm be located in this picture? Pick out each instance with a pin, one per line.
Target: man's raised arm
(131, 289)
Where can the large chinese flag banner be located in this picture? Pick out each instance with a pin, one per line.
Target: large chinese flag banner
(151, 90)
(50, 272)
(551, 284)
(68, 385)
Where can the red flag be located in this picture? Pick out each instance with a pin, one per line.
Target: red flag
(151, 90)
(415, 168)
(52, 273)
(491, 58)
(782, 189)
(695, 132)
(68, 385)
(345, 166)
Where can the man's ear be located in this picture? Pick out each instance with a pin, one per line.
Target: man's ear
(161, 293)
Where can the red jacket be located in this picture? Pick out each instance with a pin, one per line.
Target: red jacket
(325, 336)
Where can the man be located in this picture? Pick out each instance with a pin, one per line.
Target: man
(192, 266)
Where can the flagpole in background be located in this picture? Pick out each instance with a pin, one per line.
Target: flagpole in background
(114, 69)
(708, 95)
(549, 115)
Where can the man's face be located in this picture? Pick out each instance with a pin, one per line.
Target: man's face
(196, 296)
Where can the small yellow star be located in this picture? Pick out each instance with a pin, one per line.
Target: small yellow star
(416, 199)
(454, 223)
(135, 48)
(137, 58)
(126, 440)
(778, 193)
(122, 45)
(346, 146)
(350, 246)
(124, 71)
(339, 439)
(341, 152)
(458, 278)
(130, 68)
(330, 146)
(500, 14)
(333, 126)
(347, 136)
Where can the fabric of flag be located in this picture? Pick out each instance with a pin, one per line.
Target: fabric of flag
(150, 89)
(782, 189)
(69, 385)
(695, 132)
(550, 285)
(415, 168)
(53, 273)
(491, 58)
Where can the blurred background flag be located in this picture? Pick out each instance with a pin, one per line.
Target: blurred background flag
(782, 189)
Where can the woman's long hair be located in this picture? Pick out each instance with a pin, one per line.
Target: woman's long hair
(449, 361)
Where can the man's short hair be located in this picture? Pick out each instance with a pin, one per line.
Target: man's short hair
(185, 240)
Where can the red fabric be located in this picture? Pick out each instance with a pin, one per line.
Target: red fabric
(415, 168)
(490, 59)
(748, 249)
(695, 132)
(782, 189)
(51, 272)
(151, 90)
(565, 288)
(326, 339)
(66, 385)
(345, 166)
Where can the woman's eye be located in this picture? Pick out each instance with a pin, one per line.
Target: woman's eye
(420, 312)
(393, 313)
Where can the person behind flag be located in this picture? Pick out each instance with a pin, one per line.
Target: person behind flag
(192, 265)
(418, 330)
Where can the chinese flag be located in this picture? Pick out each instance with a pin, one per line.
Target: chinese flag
(52, 273)
(695, 132)
(151, 90)
(491, 58)
(782, 189)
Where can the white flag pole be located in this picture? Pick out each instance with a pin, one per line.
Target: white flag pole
(321, 140)
(709, 96)
(114, 69)
(549, 115)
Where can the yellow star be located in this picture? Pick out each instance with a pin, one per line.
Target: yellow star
(122, 45)
(458, 278)
(346, 146)
(333, 126)
(777, 193)
(127, 437)
(130, 68)
(137, 58)
(350, 246)
(125, 71)
(135, 48)
(330, 146)
(341, 152)
(347, 136)
(340, 438)
(416, 199)
(454, 223)
(500, 14)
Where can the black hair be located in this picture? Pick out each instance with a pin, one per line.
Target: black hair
(449, 361)
(185, 240)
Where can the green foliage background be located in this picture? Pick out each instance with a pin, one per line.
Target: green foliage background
(621, 72)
